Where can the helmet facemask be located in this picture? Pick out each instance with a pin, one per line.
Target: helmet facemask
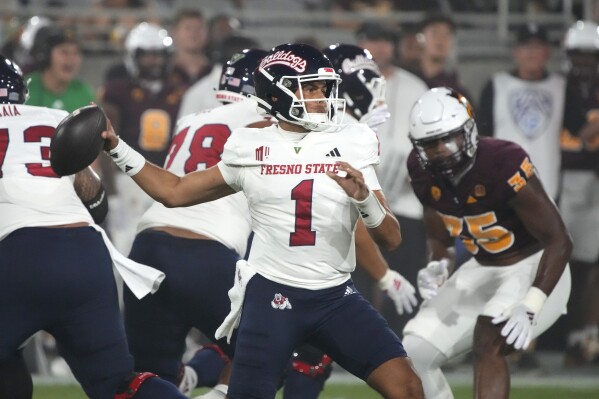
(292, 109)
(461, 143)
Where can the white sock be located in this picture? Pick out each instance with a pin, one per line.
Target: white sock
(427, 361)
(218, 392)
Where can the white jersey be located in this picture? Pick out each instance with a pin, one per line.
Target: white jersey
(303, 221)
(200, 96)
(31, 194)
(198, 145)
(530, 113)
(403, 90)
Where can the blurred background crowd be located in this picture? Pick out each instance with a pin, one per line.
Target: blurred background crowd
(149, 62)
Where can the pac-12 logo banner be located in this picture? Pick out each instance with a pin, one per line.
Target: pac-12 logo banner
(531, 110)
(284, 58)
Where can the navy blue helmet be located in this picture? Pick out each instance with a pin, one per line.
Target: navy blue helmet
(285, 69)
(13, 89)
(362, 86)
(237, 77)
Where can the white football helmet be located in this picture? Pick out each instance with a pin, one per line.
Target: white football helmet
(442, 114)
(30, 28)
(145, 36)
(583, 36)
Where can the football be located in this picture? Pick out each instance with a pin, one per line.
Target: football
(77, 140)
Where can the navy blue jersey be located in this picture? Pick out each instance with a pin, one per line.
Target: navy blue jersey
(478, 210)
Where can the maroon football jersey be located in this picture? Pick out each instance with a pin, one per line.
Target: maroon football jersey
(477, 210)
(147, 119)
(576, 154)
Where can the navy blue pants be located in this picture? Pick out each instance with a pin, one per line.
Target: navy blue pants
(199, 273)
(277, 318)
(61, 281)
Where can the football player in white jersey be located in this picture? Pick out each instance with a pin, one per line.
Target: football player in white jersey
(363, 89)
(205, 232)
(197, 246)
(305, 198)
(56, 265)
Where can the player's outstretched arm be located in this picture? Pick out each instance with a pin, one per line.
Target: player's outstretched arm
(542, 219)
(162, 185)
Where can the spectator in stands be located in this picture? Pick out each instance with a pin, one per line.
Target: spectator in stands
(190, 62)
(18, 47)
(436, 37)
(409, 51)
(402, 91)
(57, 58)
(372, 8)
(220, 27)
(111, 24)
(200, 96)
(579, 201)
(531, 105)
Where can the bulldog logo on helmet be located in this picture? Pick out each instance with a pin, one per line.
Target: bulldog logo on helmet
(349, 65)
(285, 58)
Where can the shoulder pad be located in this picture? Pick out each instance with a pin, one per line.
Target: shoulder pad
(240, 148)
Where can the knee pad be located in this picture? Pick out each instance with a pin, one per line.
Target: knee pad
(130, 385)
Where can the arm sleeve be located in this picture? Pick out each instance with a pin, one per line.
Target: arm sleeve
(484, 114)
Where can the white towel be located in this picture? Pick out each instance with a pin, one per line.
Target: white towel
(243, 274)
(141, 279)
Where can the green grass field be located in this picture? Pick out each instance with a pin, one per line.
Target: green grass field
(359, 391)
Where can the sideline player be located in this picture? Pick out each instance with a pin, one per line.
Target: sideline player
(57, 268)
(579, 199)
(517, 284)
(296, 285)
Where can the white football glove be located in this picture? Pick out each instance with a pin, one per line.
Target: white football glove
(521, 319)
(433, 276)
(518, 328)
(377, 116)
(400, 291)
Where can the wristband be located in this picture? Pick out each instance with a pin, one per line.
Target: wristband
(534, 299)
(372, 211)
(127, 159)
(386, 280)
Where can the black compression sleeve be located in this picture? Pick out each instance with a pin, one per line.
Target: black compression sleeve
(98, 206)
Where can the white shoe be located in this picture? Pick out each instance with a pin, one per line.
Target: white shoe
(218, 392)
(189, 381)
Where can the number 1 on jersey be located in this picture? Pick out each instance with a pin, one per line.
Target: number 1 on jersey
(303, 234)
